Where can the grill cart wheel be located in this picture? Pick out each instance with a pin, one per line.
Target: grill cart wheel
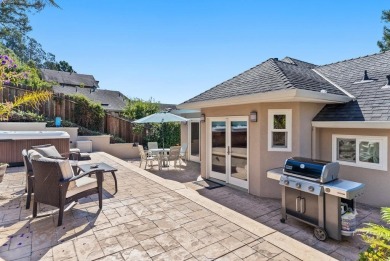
(320, 233)
(282, 220)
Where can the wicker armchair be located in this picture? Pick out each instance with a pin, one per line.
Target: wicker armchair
(29, 177)
(50, 151)
(56, 185)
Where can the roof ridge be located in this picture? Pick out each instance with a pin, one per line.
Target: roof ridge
(291, 58)
(282, 75)
(334, 84)
(69, 73)
(356, 58)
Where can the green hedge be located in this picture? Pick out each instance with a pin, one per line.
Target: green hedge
(170, 131)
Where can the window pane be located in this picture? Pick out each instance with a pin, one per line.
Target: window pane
(218, 148)
(280, 121)
(369, 152)
(279, 139)
(346, 149)
(239, 142)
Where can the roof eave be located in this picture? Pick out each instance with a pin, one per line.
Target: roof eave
(352, 124)
(290, 95)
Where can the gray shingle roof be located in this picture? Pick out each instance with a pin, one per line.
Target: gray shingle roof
(66, 78)
(110, 100)
(299, 62)
(271, 75)
(372, 102)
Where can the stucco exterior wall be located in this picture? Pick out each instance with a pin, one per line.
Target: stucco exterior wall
(184, 135)
(260, 159)
(376, 181)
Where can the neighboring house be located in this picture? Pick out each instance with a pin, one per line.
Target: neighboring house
(74, 83)
(336, 112)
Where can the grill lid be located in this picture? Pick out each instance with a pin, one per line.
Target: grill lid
(315, 170)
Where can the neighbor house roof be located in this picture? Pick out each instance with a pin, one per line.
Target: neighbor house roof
(110, 100)
(271, 75)
(70, 79)
(372, 101)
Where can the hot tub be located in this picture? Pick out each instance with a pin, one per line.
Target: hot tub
(13, 142)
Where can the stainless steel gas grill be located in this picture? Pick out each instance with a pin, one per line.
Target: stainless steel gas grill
(312, 193)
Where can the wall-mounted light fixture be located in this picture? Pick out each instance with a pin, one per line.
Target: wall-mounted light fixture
(184, 122)
(253, 116)
(202, 117)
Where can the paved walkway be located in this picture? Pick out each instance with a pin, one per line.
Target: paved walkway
(267, 212)
(150, 218)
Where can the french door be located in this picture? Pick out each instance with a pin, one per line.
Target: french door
(194, 140)
(228, 150)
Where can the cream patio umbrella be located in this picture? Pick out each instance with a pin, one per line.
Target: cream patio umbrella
(161, 117)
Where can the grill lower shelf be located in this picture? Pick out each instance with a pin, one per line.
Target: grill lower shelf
(309, 220)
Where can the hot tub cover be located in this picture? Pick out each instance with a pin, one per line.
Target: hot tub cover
(33, 135)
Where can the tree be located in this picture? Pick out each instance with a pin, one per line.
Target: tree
(137, 108)
(14, 27)
(384, 44)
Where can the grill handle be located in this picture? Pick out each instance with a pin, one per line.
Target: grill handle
(297, 204)
(303, 205)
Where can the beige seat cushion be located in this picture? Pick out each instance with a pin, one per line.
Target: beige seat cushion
(49, 151)
(80, 185)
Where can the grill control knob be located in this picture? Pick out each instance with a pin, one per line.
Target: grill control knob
(327, 190)
(298, 185)
(286, 182)
(311, 188)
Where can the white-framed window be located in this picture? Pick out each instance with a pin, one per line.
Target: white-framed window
(360, 151)
(279, 129)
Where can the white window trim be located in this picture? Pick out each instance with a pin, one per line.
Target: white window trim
(382, 151)
(288, 113)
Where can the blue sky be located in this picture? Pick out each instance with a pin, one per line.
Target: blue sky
(172, 50)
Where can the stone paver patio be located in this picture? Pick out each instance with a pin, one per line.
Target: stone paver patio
(267, 212)
(150, 218)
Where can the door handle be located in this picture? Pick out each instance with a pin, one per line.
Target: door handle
(303, 205)
(297, 204)
(228, 150)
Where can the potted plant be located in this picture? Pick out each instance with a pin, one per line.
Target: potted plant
(3, 168)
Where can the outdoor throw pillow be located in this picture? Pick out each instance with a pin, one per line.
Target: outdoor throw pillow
(50, 152)
(66, 169)
(34, 155)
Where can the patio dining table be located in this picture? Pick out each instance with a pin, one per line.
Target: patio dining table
(160, 152)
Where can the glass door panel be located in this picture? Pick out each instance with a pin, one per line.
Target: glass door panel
(195, 139)
(218, 150)
(238, 153)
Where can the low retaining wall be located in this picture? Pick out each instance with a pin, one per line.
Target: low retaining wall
(99, 143)
(22, 126)
(119, 150)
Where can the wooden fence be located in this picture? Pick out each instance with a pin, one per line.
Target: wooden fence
(121, 127)
(64, 106)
